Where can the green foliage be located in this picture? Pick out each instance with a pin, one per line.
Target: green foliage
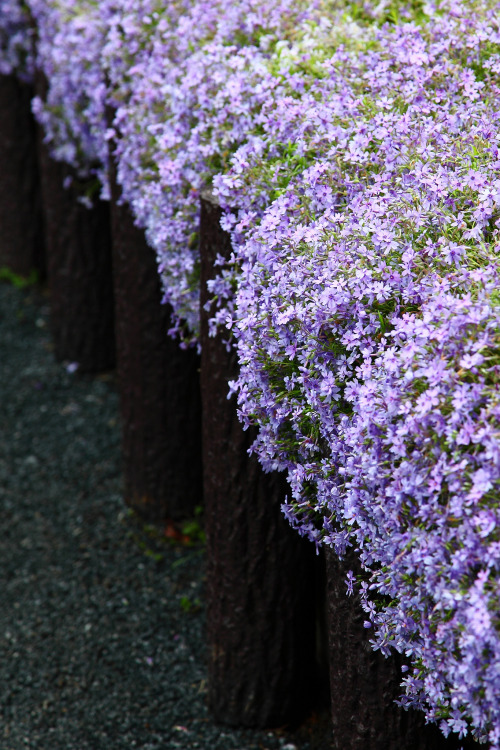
(193, 528)
(188, 605)
(20, 282)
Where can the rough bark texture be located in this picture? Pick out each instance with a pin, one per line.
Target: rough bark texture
(260, 577)
(79, 268)
(21, 235)
(79, 271)
(364, 684)
(159, 384)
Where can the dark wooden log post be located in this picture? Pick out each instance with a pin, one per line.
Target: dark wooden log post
(79, 269)
(364, 684)
(260, 576)
(158, 381)
(21, 235)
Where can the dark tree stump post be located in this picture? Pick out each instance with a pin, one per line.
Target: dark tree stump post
(260, 577)
(364, 684)
(79, 269)
(21, 234)
(158, 381)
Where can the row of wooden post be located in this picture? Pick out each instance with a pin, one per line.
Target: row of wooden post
(273, 627)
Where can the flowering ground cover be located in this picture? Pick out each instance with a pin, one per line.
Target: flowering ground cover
(69, 43)
(355, 151)
(196, 79)
(16, 40)
(367, 326)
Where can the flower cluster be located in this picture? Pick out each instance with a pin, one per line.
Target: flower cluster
(16, 40)
(68, 53)
(188, 80)
(422, 502)
(367, 322)
(355, 150)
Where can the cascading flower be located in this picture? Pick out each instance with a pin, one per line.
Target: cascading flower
(16, 40)
(366, 322)
(188, 81)
(354, 148)
(69, 42)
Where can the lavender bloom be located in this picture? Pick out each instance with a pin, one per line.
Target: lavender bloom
(355, 151)
(16, 40)
(69, 43)
(366, 321)
(189, 81)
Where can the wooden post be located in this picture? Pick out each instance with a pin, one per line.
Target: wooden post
(21, 235)
(364, 684)
(79, 270)
(260, 575)
(158, 381)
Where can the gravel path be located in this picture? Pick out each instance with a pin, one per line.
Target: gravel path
(101, 620)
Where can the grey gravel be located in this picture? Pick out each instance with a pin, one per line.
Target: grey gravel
(101, 619)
